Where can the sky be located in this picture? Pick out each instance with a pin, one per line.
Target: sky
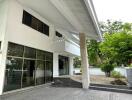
(120, 10)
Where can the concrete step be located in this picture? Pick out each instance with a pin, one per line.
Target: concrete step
(66, 82)
(112, 88)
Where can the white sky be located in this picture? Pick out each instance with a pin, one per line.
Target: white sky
(114, 10)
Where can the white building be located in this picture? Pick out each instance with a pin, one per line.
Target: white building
(39, 38)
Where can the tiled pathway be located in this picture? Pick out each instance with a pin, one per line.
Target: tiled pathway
(56, 93)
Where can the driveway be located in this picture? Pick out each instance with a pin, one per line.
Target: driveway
(47, 92)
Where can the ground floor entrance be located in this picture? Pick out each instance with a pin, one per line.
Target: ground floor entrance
(27, 67)
(63, 65)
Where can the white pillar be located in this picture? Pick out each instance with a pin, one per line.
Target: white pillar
(71, 67)
(55, 65)
(84, 61)
(4, 41)
(3, 65)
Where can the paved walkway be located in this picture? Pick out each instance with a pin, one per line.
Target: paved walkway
(56, 93)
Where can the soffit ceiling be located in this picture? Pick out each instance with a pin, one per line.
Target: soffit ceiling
(69, 15)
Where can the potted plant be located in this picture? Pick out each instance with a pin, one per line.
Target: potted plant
(129, 75)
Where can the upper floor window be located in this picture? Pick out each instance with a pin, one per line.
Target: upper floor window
(35, 23)
(58, 34)
(0, 45)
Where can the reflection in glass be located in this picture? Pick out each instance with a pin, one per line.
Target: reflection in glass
(63, 65)
(49, 56)
(40, 26)
(15, 50)
(40, 79)
(40, 55)
(26, 66)
(48, 71)
(30, 53)
(28, 73)
(13, 74)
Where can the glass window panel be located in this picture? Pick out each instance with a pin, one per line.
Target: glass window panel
(27, 18)
(34, 23)
(45, 29)
(40, 78)
(0, 45)
(28, 73)
(48, 71)
(49, 56)
(30, 53)
(40, 26)
(40, 55)
(15, 50)
(58, 34)
(13, 74)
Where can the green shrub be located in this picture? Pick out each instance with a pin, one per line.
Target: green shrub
(130, 66)
(107, 68)
(116, 74)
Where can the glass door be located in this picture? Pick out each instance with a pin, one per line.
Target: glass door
(63, 65)
(28, 73)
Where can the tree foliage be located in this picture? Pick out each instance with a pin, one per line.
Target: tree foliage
(111, 27)
(93, 52)
(117, 47)
(77, 62)
(107, 68)
(117, 44)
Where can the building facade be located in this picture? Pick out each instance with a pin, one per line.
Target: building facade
(33, 47)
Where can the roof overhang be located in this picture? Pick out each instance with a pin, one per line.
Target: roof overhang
(69, 16)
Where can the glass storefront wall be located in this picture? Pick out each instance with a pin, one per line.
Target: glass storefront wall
(27, 66)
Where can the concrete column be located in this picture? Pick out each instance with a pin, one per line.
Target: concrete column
(84, 61)
(3, 65)
(4, 41)
(55, 65)
(71, 67)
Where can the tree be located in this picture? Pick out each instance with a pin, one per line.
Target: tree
(117, 47)
(77, 62)
(93, 52)
(107, 68)
(111, 26)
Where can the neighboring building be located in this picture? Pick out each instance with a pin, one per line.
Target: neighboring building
(39, 38)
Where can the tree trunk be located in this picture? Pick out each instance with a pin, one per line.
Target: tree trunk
(107, 74)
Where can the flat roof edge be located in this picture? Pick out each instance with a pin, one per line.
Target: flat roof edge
(91, 10)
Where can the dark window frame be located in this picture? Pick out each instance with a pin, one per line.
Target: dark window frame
(0, 44)
(58, 34)
(39, 25)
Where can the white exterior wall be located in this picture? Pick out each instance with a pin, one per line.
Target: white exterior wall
(3, 17)
(73, 49)
(12, 30)
(22, 34)
(3, 39)
(71, 67)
